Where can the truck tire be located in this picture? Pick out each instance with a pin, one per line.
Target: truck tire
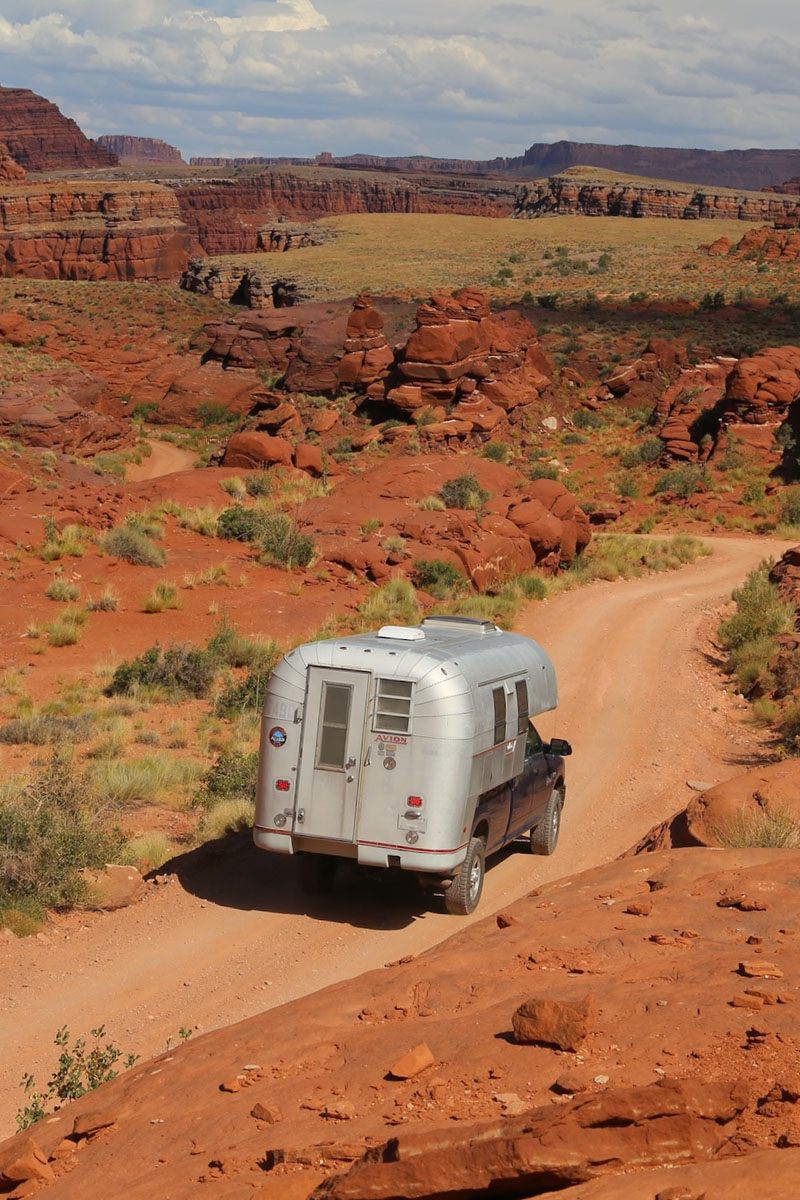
(316, 873)
(544, 836)
(464, 893)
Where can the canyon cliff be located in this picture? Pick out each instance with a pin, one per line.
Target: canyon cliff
(569, 194)
(40, 138)
(91, 230)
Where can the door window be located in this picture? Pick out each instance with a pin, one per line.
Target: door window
(334, 716)
(533, 743)
(499, 697)
(393, 706)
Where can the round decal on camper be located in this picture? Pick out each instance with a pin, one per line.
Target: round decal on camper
(390, 763)
(277, 737)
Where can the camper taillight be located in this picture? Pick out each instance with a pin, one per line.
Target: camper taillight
(414, 801)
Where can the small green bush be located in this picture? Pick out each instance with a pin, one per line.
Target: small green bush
(62, 590)
(178, 670)
(227, 645)
(77, 1073)
(283, 544)
(682, 482)
(533, 587)
(212, 412)
(47, 729)
(463, 491)
(497, 451)
(790, 506)
(232, 774)
(258, 484)
(240, 524)
(760, 612)
(133, 546)
(440, 578)
(585, 418)
(542, 470)
(248, 693)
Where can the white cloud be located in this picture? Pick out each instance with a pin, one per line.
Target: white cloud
(472, 78)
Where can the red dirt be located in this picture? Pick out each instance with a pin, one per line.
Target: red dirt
(645, 712)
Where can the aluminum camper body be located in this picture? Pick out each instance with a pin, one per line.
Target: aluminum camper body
(392, 748)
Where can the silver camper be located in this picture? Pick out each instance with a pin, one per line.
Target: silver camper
(412, 747)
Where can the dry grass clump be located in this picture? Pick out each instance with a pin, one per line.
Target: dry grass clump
(129, 782)
(778, 830)
(66, 631)
(164, 596)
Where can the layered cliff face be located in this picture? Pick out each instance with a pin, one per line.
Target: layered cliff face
(9, 169)
(227, 216)
(129, 149)
(567, 195)
(91, 231)
(40, 138)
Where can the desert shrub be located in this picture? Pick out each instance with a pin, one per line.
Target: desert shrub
(775, 830)
(247, 693)
(107, 601)
(240, 524)
(547, 300)
(283, 544)
(132, 781)
(394, 544)
(533, 587)
(178, 670)
(232, 775)
(212, 412)
(76, 1073)
(394, 603)
(790, 506)
(47, 729)
(627, 485)
(431, 504)
(463, 491)
(227, 645)
(713, 300)
(203, 520)
(49, 832)
(623, 556)
(760, 612)
(58, 543)
(586, 419)
(133, 546)
(164, 596)
(789, 729)
(682, 482)
(648, 452)
(542, 470)
(66, 631)
(497, 451)
(62, 590)
(229, 816)
(573, 438)
(258, 484)
(145, 523)
(440, 578)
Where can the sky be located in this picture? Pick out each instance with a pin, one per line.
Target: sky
(449, 78)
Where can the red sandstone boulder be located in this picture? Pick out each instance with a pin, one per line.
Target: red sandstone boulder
(251, 450)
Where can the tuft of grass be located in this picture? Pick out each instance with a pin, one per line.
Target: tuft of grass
(203, 520)
(234, 486)
(107, 601)
(431, 504)
(441, 579)
(147, 851)
(128, 782)
(66, 631)
(134, 547)
(163, 596)
(775, 830)
(463, 491)
(229, 816)
(62, 590)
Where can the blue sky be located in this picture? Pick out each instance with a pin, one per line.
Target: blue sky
(455, 78)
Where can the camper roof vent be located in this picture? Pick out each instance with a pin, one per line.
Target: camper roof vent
(402, 633)
(464, 625)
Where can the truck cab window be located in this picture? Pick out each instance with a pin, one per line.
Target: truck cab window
(533, 743)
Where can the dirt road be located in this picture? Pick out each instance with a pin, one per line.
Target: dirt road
(640, 700)
(163, 460)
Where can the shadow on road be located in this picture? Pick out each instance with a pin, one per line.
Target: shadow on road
(233, 873)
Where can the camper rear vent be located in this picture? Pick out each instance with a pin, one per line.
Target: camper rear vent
(463, 625)
(402, 633)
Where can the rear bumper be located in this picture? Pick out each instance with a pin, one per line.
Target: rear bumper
(370, 854)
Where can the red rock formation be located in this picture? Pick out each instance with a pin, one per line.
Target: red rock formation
(790, 188)
(576, 195)
(764, 243)
(226, 216)
(366, 351)
(761, 387)
(91, 231)
(695, 391)
(132, 150)
(40, 138)
(9, 169)
(59, 409)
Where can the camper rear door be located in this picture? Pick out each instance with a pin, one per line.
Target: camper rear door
(332, 754)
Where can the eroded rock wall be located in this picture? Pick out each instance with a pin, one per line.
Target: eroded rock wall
(40, 138)
(129, 149)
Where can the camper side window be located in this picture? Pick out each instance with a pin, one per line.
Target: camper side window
(333, 726)
(393, 706)
(499, 697)
(521, 688)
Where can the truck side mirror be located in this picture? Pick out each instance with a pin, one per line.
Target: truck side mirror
(559, 746)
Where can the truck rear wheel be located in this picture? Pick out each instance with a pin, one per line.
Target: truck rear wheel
(316, 873)
(544, 836)
(464, 893)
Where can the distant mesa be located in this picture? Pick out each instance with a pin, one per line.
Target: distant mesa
(751, 170)
(40, 138)
(134, 151)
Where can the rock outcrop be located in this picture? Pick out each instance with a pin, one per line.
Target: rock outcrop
(131, 150)
(10, 171)
(685, 1085)
(578, 195)
(61, 409)
(762, 386)
(40, 138)
(91, 230)
(226, 216)
(766, 243)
